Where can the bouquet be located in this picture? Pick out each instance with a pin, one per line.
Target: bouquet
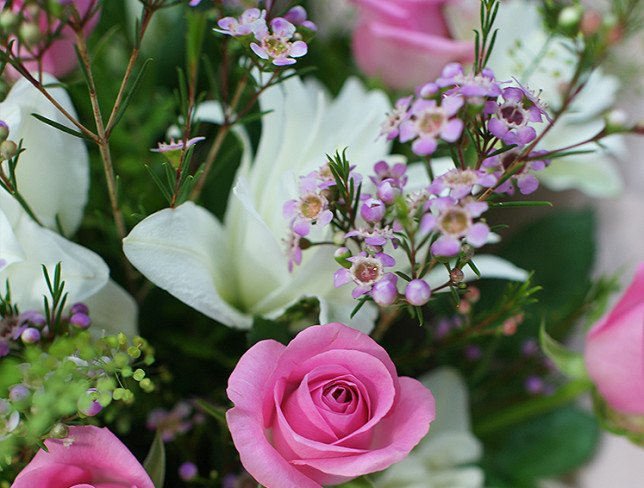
(302, 244)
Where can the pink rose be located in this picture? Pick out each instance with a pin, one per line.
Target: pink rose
(324, 409)
(89, 458)
(60, 58)
(615, 351)
(405, 42)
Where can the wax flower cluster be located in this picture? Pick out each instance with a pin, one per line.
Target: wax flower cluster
(384, 231)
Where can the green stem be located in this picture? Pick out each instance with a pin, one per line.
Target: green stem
(532, 408)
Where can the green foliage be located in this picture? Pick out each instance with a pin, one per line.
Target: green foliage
(154, 462)
(544, 447)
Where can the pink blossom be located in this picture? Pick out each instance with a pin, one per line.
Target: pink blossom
(615, 351)
(405, 42)
(89, 457)
(60, 57)
(325, 409)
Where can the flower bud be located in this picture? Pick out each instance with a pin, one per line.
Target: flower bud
(341, 255)
(80, 321)
(616, 121)
(569, 19)
(456, 275)
(59, 431)
(79, 308)
(384, 293)
(188, 471)
(30, 335)
(89, 405)
(4, 131)
(373, 210)
(418, 292)
(9, 21)
(29, 33)
(17, 393)
(8, 149)
(387, 192)
(591, 22)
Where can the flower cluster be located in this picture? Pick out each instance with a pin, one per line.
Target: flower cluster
(277, 40)
(372, 228)
(8, 148)
(441, 109)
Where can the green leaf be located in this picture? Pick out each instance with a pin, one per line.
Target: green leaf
(267, 329)
(568, 362)
(218, 413)
(545, 447)
(61, 127)
(154, 462)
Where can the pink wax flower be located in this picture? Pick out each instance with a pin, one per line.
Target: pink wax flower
(59, 58)
(615, 351)
(325, 409)
(90, 457)
(405, 42)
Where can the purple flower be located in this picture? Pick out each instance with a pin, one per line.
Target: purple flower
(385, 292)
(454, 220)
(277, 45)
(523, 178)
(417, 292)
(374, 237)
(429, 121)
(394, 174)
(475, 88)
(309, 208)
(400, 113)
(365, 272)
(511, 117)
(249, 22)
(176, 146)
(171, 423)
(298, 16)
(373, 210)
(188, 471)
(293, 251)
(460, 182)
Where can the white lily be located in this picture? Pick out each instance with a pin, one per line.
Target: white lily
(442, 459)
(236, 270)
(53, 177)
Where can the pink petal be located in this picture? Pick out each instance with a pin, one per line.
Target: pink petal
(477, 234)
(94, 451)
(424, 146)
(452, 130)
(395, 436)
(341, 277)
(257, 49)
(446, 246)
(298, 49)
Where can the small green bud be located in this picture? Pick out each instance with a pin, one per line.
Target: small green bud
(8, 149)
(134, 352)
(59, 431)
(341, 255)
(9, 21)
(29, 33)
(122, 339)
(126, 372)
(569, 19)
(118, 394)
(138, 375)
(146, 385)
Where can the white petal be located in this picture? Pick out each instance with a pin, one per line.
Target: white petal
(183, 251)
(83, 271)
(53, 172)
(495, 267)
(10, 249)
(452, 400)
(113, 310)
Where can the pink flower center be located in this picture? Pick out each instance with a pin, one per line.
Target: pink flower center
(431, 121)
(456, 178)
(513, 114)
(367, 271)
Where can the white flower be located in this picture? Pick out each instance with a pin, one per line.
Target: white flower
(439, 460)
(53, 177)
(238, 269)
(525, 51)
